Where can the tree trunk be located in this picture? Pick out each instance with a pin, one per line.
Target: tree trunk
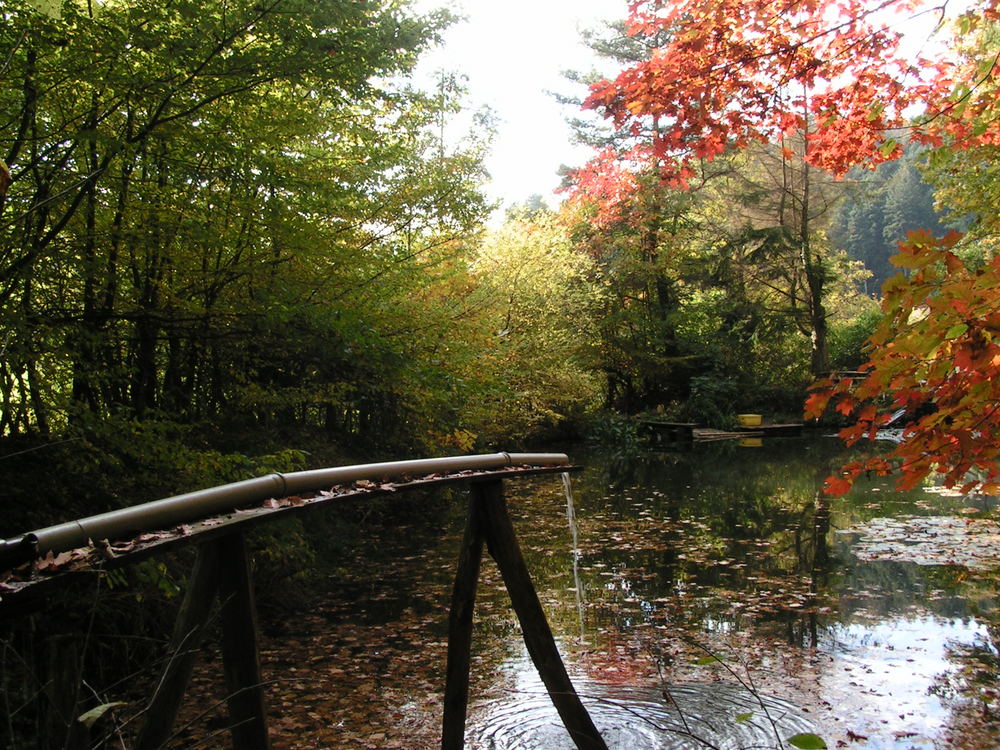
(144, 367)
(819, 361)
(814, 272)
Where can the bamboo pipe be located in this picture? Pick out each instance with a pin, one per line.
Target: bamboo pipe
(160, 514)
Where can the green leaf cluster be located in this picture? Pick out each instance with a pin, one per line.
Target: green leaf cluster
(237, 214)
(539, 311)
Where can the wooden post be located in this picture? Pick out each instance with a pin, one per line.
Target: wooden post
(189, 629)
(61, 730)
(535, 629)
(463, 600)
(240, 655)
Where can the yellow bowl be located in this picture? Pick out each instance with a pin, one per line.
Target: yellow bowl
(749, 420)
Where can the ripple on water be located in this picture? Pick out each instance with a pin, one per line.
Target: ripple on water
(696, 716)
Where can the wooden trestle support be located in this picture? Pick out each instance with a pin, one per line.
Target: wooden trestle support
(488, 521)
(222, 571)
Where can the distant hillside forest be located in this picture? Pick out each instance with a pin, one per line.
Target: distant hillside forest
(882, 206)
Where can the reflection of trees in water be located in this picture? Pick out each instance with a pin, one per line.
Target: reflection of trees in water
(972, 691)
(746, 521)
(813, 555)
(738, 551)
(727, 539)
(882, 589)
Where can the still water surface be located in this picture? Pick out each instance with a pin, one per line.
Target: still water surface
(709, 598)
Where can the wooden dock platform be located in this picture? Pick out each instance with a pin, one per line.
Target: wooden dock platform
(664, 432)
(661, 433)
(774, 430)
(706, 435)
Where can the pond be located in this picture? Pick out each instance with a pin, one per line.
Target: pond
(707, 598)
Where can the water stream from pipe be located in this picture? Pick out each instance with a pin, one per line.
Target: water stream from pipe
(720, 715)
(574, 534)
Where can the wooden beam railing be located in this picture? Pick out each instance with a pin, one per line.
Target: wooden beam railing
(222, 573)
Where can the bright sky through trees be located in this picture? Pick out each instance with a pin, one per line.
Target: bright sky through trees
(513, 53)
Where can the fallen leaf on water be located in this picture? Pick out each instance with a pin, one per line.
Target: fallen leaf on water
(929, 540)
(89, 718)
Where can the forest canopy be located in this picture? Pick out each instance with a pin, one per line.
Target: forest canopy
(235, 228)
(201, 193)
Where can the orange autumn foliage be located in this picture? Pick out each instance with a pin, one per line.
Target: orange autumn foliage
(837, 74)
(734, 72)
(936, 354)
